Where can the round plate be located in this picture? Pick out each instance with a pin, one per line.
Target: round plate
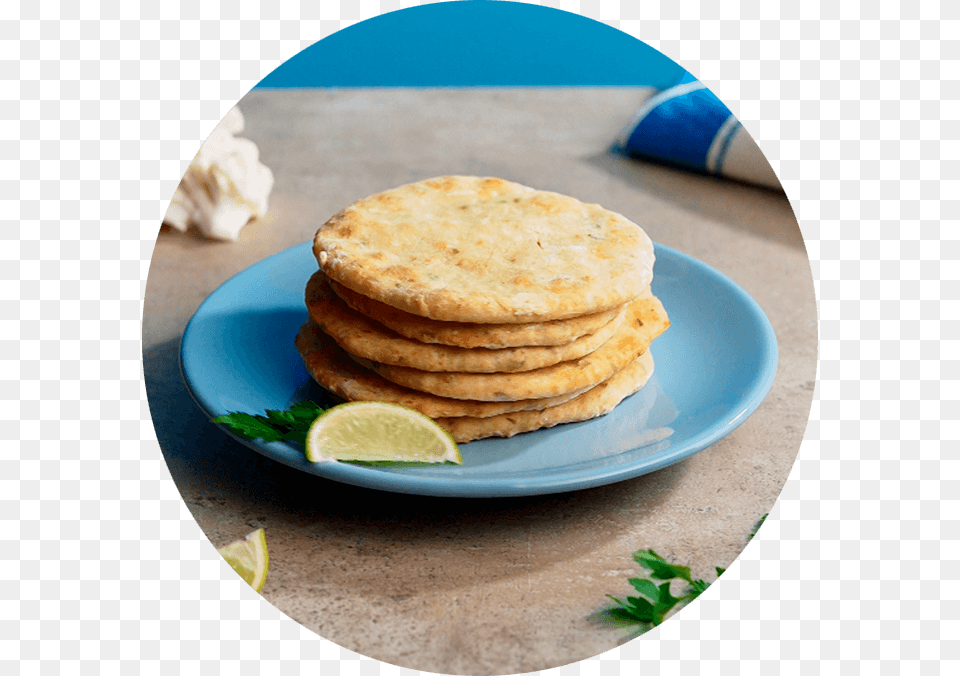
(713, 367)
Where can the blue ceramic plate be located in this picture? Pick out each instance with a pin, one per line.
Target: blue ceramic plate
(714, 366)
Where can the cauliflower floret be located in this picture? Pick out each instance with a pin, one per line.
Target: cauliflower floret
(225, 186)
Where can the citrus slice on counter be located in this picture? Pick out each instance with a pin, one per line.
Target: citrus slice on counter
(374, 431)
(249, 558)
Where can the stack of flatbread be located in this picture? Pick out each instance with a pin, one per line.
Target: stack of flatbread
(491, 307)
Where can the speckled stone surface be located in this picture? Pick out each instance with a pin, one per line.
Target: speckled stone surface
(479, 586)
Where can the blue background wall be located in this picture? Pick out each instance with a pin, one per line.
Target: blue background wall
(476, 43)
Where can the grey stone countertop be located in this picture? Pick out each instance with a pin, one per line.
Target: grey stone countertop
(487, 586)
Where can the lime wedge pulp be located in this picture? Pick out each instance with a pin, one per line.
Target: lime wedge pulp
(377, 431)
(249, 558)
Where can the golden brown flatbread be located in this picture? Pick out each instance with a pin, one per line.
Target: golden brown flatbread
(363, 337)
(646, 319)
(595, 402)
(463, 334)
(335, 371)
(485, 250)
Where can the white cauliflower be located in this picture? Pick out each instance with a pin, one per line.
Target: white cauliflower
(225, 185)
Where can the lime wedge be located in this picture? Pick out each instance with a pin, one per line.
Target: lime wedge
(375, 431)
(249, 558)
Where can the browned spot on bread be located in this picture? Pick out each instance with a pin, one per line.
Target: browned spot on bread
(465, 264)
(546, 205)
(401, 271)
(442, 184)
(488, 187)
(386, 199)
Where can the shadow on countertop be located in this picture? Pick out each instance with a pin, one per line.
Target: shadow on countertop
(230, 490)
(753, 209)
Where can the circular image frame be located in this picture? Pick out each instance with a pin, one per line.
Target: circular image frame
(287, 498)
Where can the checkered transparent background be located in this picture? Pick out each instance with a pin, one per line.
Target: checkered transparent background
(102, 567)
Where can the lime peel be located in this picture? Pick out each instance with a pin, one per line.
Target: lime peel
(379, 431)
(249, 558)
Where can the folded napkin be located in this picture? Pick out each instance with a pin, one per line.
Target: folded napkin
(688, 126)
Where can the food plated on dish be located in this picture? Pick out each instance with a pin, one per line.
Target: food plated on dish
(493, 308)
(715, 366)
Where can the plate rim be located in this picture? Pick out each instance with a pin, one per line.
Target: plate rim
(438, 486)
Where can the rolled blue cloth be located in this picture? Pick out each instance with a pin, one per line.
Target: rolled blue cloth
(688, 126)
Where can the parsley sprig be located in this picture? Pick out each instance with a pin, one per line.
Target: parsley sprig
(757, 525)
(657, 600)
(289, 425)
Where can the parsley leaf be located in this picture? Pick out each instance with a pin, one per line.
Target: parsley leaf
(660, 569)
(289, 425)
(659, 600)
(697, 588)
(666, 602)
(757, 525)
(645, 587)
(630, 615)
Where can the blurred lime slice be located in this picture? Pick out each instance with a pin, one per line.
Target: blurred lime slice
(375, 431)
(249, 558)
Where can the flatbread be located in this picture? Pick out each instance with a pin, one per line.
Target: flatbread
(485, 250)
(335, 371)
(365, 338)
(463, 334)
(646, 319)
(593, 403)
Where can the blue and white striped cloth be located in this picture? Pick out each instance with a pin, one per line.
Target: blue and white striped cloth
(688, 126)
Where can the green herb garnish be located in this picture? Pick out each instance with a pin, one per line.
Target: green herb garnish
(757, 525)
(657, 600)
(289, 425)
